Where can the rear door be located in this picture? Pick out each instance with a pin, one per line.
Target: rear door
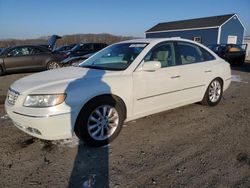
(196, 71)
(18, 58)
(39, 57)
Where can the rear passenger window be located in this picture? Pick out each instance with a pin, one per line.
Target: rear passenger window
(206, 55)
(163, 53)
(191, 53)
(35, 51)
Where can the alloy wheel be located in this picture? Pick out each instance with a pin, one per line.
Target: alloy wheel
(53, 65)
(214, 91)
(103, 122)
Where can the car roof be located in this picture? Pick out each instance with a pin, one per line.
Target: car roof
(27, 45)
(156, 40)
(82, 43)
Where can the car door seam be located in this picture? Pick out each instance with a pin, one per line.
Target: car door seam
(170, 92)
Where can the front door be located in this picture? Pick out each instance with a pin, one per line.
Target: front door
(18, 59)
(158, 90)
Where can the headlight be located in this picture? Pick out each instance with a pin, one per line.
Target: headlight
(39, 101)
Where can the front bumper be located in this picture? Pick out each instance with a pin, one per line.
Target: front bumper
(43, 125)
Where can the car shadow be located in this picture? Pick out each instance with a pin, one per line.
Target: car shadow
(91, 165)
(243, 68)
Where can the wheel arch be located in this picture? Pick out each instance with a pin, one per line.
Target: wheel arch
(115, 97)
(219, 78)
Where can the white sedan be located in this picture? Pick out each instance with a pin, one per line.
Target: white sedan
(123, 82)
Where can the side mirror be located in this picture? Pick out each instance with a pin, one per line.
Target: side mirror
(8, 55)
(151, 66)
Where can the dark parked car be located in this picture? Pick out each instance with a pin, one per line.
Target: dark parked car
(65, 48)
(27, 58)
(85, 48)
(232, 53)
(75, 61)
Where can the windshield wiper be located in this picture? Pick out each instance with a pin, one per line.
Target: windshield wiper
(92, 67)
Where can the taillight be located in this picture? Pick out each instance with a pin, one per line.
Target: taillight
(65, 55)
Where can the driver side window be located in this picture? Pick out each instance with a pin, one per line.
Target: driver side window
(164, 53)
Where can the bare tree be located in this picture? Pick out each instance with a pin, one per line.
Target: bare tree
(69, 39)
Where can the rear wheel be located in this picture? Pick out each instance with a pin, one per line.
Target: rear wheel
(53, 65)
(241, 61)
(100, 121)
(1, 71)
(214, 93)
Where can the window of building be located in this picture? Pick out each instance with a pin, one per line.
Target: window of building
(197, 39)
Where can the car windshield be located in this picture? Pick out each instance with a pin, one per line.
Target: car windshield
(115, 57)
(76, 47)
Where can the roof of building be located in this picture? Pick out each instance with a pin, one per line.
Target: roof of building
(213, 21)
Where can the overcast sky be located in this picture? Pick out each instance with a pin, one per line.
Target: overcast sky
(34, 18)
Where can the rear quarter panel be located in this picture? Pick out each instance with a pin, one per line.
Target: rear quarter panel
(222, 70)
(52, 57)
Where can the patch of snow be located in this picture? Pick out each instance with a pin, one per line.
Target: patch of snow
(4, 117)
(237, 78)
(71, 142)
(90, 182)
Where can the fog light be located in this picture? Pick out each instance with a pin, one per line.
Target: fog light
(34, 131)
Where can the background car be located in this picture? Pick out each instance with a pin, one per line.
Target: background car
(1, 49)
(75, 61)
(85, 48)
(65, 48)
(28, 58)
(232, 53)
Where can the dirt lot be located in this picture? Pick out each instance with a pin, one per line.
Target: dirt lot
(192, 146)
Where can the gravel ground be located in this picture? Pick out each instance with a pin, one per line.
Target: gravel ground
(192, 146)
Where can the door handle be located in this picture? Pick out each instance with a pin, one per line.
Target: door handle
(176, 76)
(209, 70)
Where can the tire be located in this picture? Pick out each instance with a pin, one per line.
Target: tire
(241, 62)
(92, 123)
(213, 93)
(1, 71)
(53, 65)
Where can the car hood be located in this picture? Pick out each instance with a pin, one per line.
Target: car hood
(57, 81)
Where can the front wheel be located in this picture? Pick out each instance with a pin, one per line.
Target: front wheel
(214, 93)
(100, 121)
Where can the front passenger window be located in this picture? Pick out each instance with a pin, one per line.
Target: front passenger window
(163, 53)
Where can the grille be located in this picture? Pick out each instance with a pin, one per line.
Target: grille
(12, 96)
